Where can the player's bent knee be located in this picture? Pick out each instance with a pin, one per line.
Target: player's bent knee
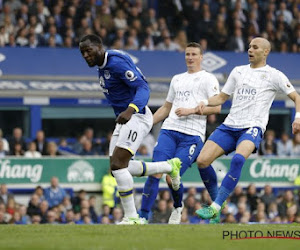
(203, 162)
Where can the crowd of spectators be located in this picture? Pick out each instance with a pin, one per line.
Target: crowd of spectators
(87, 144)
(53, 205)
(151, 25)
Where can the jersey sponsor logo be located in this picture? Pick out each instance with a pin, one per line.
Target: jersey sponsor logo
(183, 95)
(106, 74)
(102, 84)
(130, 75)
(246, 94)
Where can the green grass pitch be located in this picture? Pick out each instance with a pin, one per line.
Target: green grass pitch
(166, 237)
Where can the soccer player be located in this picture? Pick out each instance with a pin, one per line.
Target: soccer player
(128, 92)
(182, 137)
(254, 87)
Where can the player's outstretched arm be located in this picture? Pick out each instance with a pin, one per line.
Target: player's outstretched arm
(296, 99)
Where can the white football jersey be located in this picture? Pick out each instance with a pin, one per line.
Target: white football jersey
(253, 93)
(186, 91)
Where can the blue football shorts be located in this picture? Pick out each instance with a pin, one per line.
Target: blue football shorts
(229, 138)
(172, 144)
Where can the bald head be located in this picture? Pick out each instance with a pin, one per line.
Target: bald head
(263, 42)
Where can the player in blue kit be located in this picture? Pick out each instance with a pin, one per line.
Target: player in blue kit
(182, 136)
(128, 92)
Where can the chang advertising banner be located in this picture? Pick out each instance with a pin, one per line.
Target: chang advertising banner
(88, 172)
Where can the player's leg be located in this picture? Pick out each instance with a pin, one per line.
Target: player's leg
(127, 139)
(159, 165)
(248, 141)
(164, 150)
(187, 151)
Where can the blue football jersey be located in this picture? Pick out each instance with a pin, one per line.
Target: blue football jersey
(122, 82)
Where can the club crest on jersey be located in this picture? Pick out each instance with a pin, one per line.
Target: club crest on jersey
(263, 77)
(130, 75)
(102, 84)
(106, 74)
(288, 85)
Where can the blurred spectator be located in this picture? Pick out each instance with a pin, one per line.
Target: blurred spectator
(4, 141)
(268, 145)
(54, 194)
(76, 201)
(87, 148)
(31, 152)
(4, 194)
(296, 145)
(109, 190)
(252, 198)
(117, 215)
(41, 143)
(33, 206)
(268, 197)
(11, 206)
(52, 149)
(17, 137)
(23, 213)
(284, 145)
(17, 150)
(161, 214)
(3, 153)
(272, 211)
(287, 202)
(39, 191)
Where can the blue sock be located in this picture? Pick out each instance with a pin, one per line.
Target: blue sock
(177, 196)
(149, 196)
(231, 179)
(209, 178)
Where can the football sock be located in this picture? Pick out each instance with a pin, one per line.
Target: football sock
(209, 178)
(149, 196)
(177, 196)
(141, 168)
(125, 188)
(231, 179)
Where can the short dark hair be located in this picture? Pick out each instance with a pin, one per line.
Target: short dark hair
(195, 45)
(93, 38)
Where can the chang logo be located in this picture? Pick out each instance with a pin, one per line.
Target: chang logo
(81, 171)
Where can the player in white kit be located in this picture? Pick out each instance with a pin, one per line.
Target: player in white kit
(182, 137)
(254, 87)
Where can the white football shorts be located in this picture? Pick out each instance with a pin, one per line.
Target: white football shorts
(130, 135)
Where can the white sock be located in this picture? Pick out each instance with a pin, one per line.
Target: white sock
(125, 188)
(141, 168)
(216, 206)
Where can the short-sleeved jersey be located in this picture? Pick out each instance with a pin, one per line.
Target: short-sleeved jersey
(122, 82)
(186, 91)
(253, 90)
